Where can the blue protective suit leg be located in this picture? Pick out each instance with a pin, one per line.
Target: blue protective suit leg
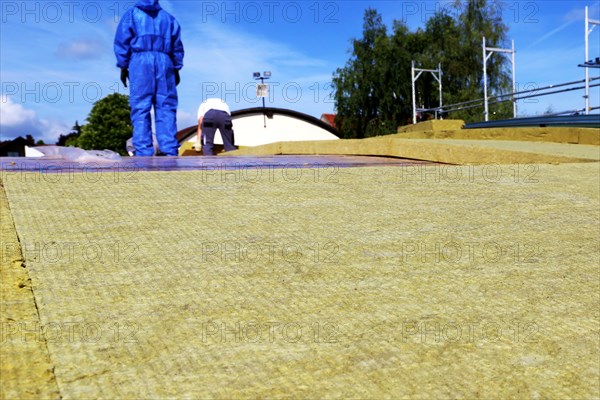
(165, 107)
(141, 96)
(153, 83)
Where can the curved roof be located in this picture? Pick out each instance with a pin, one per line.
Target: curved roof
(270, 112)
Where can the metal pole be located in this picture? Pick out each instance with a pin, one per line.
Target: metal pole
(587, 70)
(414, 100)
(440, 82)
(514, 80)
(262, 82)
(485, 99)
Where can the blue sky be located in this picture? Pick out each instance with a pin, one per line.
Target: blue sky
(56, 57)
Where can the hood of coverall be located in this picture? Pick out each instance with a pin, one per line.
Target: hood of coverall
(148, 5)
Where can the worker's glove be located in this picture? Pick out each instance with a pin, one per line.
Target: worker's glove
(124, 76)
(177, 77)
(198, 146)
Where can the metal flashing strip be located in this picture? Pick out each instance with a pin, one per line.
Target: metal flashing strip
(583, 121)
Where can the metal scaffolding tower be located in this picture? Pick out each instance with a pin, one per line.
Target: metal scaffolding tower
(437, 77)
(588, 30)
(487, 53)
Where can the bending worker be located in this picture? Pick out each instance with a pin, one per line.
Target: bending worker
(212, 114)
(150, 53)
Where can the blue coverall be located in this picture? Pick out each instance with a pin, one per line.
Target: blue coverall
(148, 43)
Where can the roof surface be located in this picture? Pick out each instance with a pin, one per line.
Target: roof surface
(365, 282)
(302, 279)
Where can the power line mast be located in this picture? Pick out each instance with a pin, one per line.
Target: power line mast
(588, 30)
(414, 78)
(487, 53)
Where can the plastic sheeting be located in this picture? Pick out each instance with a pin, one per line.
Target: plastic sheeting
(72, 154)
(100, 163)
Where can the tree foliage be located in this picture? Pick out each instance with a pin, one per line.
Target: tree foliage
(359, 83)
(70, 139)
(373, 93)
(109, 125)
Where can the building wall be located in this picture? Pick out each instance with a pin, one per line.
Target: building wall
(13, 148)
(249, 130)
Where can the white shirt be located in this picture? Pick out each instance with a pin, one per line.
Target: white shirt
(212, 104)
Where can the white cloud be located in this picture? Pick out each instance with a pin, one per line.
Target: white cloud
(185, 119)
(578, 14)
(13, 114)
(16, 120)
(50, 130)
(575, 15)
(551, 33)
(223, 50)
(225, 58)
(82, 49)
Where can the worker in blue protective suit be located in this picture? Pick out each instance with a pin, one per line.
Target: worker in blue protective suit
(149, 52)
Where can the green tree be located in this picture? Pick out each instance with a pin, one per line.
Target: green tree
(373, 93)
(441, 45)
(482, 18)
(109, 125)
(394, 71)
(70, 139)
(412, 46)
(358, 84)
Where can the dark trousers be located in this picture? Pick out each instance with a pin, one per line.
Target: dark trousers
(213, 120)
